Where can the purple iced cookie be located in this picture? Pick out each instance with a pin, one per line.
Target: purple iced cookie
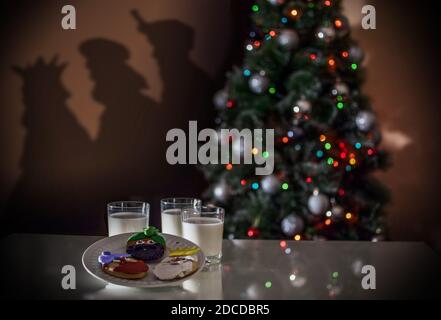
(107, 257)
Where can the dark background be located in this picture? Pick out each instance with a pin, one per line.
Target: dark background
(77, 136)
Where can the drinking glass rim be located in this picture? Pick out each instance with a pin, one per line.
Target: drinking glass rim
(206, 210)
(172, 200)
(134, 204)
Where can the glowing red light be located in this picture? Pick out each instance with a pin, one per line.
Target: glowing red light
(250, 233)
(312, 56)
(308, 180)
(285, 139)
(283, 244)
(257, 43)
(327, 3)
(343, 155)
(272, 33)
(243, 182)
(341, 145)
(345, 54)
(230, 103)
(370, 152)
(341, 192)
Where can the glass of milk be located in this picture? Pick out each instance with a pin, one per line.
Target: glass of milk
(127, 216)
(205, 228)
(171, 209)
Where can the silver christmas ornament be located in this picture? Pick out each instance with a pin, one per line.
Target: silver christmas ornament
(318, 203)
(237, 147)
(302, 105)
(356, 54)
(288, 39)
(220, 99)
(276, 2)
(326, 34)
(292, 224)
(222, 192)
(337, 212)
(377, 238)
(365, 120)
(270, 184)
(258, 83)
(340, 89)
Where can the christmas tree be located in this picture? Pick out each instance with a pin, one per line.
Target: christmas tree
(302, 75)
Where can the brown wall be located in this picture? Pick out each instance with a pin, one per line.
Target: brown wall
(401, 69)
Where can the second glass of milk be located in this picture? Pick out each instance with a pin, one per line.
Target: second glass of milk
(171, 209)
(205, 228)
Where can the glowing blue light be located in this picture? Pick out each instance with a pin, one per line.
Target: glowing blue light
(252, 34)
(358, 145)
(319, 153)
(284, 20)
(290, 134)
(348, 168)
(255, 186)
(246, 73)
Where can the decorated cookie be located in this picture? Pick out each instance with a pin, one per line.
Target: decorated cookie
(147, 245)
(126, 268)
(175, 268)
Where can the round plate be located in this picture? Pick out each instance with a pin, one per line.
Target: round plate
(117, 244)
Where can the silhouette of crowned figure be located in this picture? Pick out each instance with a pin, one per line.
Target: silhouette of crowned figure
(187, 91)
(56, 154)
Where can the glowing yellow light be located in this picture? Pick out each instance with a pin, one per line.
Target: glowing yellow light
(297, 237)
(352, 161)
(331, 62)
(348, 215)
(294, 12)
(255, 151)
(322, 138)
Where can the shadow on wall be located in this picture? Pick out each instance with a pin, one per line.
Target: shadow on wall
(66, 177)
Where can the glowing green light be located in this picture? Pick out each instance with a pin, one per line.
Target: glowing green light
(335, 274)
(339, 98)
(340, 105)
(285, 186)
(354, 66)
(268, 284)
(330, 161)
(255, 8)
(272, 90)
(265, 154)
(327, 146)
